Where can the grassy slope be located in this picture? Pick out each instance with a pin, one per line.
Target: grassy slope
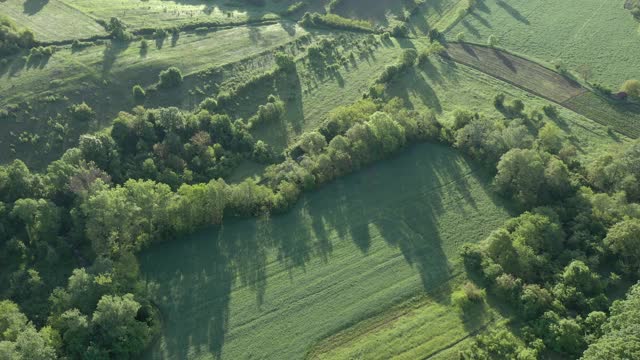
(161, 13)
(445, 86)
(52, 19)
(103, 76)
(346, 252)
(601, 34)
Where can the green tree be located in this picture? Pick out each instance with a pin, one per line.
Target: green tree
(115, 328)
(631, 87)
(170, 78)
(623, 239)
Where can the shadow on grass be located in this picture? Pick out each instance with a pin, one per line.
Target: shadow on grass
(400, 200)
(32, 7)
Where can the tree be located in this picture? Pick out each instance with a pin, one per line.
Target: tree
(41, 218)
(621, 333)
(521, 175)
(551, 138)
(389, 135)
(623, 239)
(170, 78)
(312, 142)
(632, 88)
(115, 328)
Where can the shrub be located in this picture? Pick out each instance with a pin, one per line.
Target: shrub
(138, 93)
(467, 297)
(82, 112)
(170, 78)
(632, 88)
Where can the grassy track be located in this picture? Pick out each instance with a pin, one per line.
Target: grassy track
(51, 20)
(598, 33)
(516, 70)
(349, 251)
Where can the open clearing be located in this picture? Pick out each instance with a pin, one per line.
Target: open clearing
(340, 256)
(51, 20)
(517, 71)
(600, 34)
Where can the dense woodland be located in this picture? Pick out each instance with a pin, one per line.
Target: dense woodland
(563, 269)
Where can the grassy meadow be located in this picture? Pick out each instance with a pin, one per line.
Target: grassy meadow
(340, 256)
(601, 35)
(52, 20)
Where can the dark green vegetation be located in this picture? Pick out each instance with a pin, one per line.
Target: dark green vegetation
(329, 179)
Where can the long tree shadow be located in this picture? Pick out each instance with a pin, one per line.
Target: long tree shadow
(32, 7)
(401, 201)
(513, 12)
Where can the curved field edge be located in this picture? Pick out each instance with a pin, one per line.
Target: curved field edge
(347, 252)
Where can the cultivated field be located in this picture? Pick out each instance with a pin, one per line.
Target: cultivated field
(600, 35)
(339, 257)
(516, 71)
(619, 116)
(51, 20)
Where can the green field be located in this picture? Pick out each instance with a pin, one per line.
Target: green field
(338, 257)
(52, 20)
(599, 34)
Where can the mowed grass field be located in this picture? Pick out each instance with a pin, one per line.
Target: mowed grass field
(600, 34)
(272, 288)
(51, 20)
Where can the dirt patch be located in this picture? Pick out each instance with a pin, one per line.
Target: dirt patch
(517, 71)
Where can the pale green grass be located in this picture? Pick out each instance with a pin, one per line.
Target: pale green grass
(271, 289)
(51, 20)
(598, 33)
(426, 329)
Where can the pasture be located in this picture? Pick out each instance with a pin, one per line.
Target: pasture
(339, 257)
(597, 35)
(52, 20)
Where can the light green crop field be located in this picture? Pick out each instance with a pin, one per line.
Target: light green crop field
(425, 329)
(598, 33)
(103, 75)
(272, 288)
(444, 86)
(51, 20)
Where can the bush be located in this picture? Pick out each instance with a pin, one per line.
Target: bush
(170, 78)
(138, 93)
(467, 297)
(632, 88)
(82, 112)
